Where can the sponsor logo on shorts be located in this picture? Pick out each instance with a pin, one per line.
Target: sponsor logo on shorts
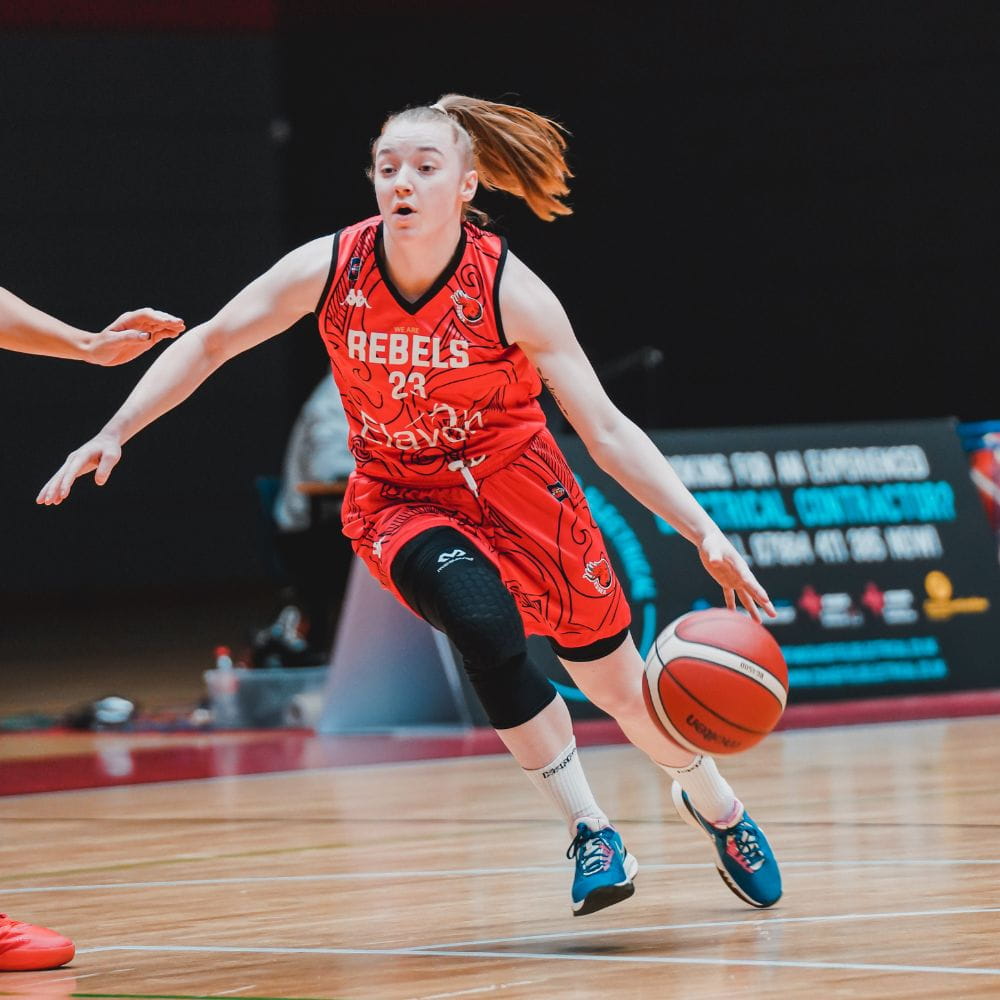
(599, 574)
(708, 733)
(454, 556)
(558, 490)
(556, 768)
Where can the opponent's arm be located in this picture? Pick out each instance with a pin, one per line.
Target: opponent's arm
(28, 330)
(266, 307)
(534, 319)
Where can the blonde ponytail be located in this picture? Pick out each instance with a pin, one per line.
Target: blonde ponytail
(511, 148)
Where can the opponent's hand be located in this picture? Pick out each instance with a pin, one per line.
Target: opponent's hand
(729, 569)
(100, 453)
(132, 334)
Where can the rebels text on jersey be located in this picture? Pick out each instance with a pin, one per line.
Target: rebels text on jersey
(428, 386)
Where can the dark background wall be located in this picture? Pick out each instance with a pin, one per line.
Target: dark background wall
(796, 203)
(138, 169)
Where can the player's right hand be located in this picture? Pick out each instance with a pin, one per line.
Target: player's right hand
(100, 453)
(729, 569)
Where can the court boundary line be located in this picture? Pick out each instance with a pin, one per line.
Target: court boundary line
(548, 957)
(470, 873)
(755, 921)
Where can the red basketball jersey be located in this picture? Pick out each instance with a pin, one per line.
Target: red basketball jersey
(428, 386)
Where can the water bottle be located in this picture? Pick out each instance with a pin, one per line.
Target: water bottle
(225, 701)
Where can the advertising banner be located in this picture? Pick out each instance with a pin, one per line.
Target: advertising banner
(870, 539)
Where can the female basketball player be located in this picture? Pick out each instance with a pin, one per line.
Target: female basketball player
(25, 947)
(461, 503)
(30, 331)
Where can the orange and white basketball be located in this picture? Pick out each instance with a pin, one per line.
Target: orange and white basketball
(715, 681)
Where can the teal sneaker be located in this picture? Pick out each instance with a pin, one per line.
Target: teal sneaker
(743, 856)
(604, 869)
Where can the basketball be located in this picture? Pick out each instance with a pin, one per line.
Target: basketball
(715, 681)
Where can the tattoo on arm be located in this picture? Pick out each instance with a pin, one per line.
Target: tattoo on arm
(553, 394)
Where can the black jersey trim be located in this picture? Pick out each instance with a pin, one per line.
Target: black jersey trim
(496, 291)
(412, 308)
(592, 651)
(331, 275)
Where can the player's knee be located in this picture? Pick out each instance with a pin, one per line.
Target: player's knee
(456, 588)
(612, 682)
(449, 582)
(512, 692)
(491, 640)
(618, 701)
(510, 687)
(487, 637)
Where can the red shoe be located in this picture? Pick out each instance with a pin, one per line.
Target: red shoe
(26, 948)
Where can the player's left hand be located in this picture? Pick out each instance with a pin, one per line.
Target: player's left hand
(99, 455)
(730, 571)
(132, 334)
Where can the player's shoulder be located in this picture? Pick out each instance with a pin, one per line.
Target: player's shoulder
(358, 229)
(322, 246)
(520, 282)
(530, 309)
(308, 259)
(482, 238)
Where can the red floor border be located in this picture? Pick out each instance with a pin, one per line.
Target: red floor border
(908, 708)
(205, 755)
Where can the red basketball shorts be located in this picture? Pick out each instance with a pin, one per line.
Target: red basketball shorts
(532, 520)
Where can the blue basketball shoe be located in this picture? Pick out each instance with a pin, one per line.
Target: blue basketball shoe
(604, 869)
(744, 858)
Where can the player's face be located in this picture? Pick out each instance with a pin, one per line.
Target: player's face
(421, 181)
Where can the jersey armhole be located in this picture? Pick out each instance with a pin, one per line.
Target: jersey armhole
(333, 272)
(496, 291)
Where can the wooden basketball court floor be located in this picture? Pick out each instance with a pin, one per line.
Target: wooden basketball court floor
(447, 879)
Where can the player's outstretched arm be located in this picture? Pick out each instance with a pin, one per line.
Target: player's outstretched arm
(534, 319)
(28, 330)
(266, 307)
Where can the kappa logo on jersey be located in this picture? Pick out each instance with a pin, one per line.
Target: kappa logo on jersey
(377, 547)
(456, 555)
(599, 574)
(356, 298)
(558, 490)
(469, 310)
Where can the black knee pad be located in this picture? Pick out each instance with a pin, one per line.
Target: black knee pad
(451, 584)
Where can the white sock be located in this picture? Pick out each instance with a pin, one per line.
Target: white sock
(563, 782)
(708, 791)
